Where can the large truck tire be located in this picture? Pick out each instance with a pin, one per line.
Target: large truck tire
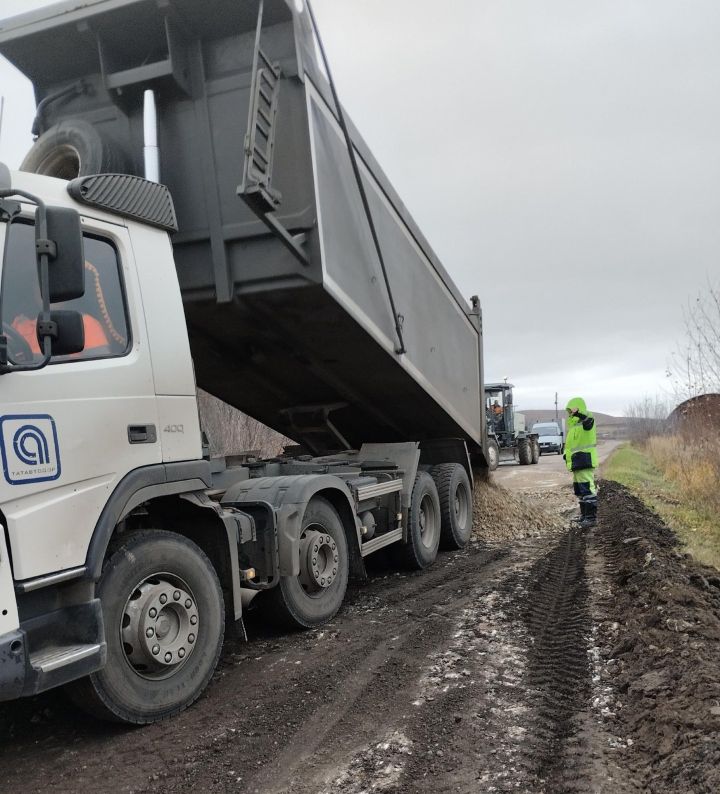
(535, 447)
(73, 148)
(424, 522)
(493, 455)
(456, 505)
(164, 620)
(315, 596)
(524, 451)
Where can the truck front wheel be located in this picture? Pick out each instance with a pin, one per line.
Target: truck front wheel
(315, 596)
(535, 447)
(164, 622)
(524, 448)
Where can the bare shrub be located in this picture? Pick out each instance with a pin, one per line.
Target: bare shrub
(690, 456)
(695, 367)
(646, 418)
(231, 432)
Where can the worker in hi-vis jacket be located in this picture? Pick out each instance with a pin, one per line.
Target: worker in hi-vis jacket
(581, 458)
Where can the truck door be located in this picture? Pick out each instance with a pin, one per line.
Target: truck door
(71, 431)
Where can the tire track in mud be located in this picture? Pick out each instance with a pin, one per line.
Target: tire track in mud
(465, 678)
(505, 702)
(262, 695)
(452, 718)
(360, 723)
(338, 704)
(558, 672)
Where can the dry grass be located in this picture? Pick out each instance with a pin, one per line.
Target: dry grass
(693, 464)
(679, 481)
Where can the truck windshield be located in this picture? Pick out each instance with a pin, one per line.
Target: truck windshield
(21, 301)
(3, 232)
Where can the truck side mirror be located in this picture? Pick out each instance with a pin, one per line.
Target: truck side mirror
(67, 258)
(66, 330)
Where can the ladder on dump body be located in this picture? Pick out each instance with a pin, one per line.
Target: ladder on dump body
(256, 188)
(260, 138)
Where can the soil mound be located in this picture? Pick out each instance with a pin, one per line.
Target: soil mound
(662, 650)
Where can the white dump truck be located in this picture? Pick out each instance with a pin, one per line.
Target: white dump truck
(277, 268)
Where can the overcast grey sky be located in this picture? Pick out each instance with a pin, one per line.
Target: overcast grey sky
(563, 159)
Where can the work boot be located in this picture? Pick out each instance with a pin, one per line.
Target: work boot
(583, 512)
(589, 518)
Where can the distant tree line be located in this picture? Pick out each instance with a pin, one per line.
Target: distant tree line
(647, 417)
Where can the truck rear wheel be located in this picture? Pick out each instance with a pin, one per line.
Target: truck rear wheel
(456, 505)
(524, 451)
(164, 622)
(315, 596)
(535, 447)
(424, 521)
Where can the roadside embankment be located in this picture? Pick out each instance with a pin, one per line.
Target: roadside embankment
(659, 634)
(679, 481)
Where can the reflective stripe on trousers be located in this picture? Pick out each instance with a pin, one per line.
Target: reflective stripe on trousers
(584, 486)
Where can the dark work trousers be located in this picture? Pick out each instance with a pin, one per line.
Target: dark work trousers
(586, 491)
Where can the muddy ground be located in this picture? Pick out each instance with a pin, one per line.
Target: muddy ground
(540, 659)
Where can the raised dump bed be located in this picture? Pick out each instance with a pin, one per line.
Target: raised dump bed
(290, 313)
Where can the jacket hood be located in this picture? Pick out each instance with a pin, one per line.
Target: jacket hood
(579, 403)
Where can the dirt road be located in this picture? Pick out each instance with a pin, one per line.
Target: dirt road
(550, 661)
(549, 473)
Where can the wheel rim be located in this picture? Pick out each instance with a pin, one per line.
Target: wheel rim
(319, 560)
(428, 520)
(462, 506)
(160, 624)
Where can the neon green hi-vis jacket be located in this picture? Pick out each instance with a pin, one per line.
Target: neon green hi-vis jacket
(581, 441)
